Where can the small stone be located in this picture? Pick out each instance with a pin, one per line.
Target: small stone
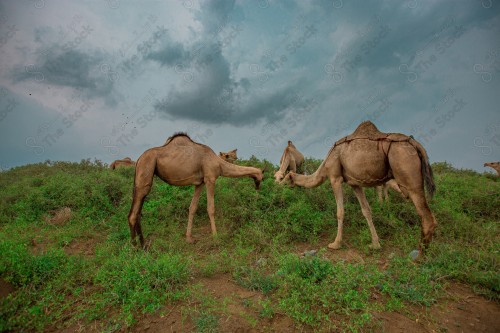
(414, 254)
(308, 253)
(261, 262)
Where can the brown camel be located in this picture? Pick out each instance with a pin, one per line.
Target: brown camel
(494, 165)
(369, 158)
(391, 183)
(230, 156)
(122, 163)
(182, 162)
(291, 160)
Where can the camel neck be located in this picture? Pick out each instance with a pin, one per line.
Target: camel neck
(316, 179)
(285, 162)
(233, 170)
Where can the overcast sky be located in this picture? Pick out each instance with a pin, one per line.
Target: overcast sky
(111, 78)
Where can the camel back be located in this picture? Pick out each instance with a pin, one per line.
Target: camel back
(368, 131)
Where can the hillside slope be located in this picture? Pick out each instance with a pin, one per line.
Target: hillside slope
(67, 260)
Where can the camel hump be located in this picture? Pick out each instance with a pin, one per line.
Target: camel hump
(178, 134)
(366, 129)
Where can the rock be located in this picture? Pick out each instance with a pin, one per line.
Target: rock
(262, 262)
(308, 253)
(414, 254)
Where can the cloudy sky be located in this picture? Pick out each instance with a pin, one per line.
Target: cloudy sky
(111, 78)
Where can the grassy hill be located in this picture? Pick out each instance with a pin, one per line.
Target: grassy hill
(66, 256)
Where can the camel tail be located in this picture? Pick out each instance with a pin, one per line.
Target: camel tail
(426, 169)
(112, 166)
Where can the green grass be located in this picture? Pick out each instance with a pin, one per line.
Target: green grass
(85, 269)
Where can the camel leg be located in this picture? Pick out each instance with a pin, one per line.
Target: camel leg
(379, 193)
(134, 216)
(211, 205)
(339, 198)
(192, 211)
(428, 221)
(394, 185)
(367, 213)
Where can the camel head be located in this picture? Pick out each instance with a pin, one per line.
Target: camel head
(288, 179)
(278, 176)
(258, 179)
(230, 156)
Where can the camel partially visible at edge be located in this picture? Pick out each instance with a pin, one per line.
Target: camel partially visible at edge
(291, 160)
(494, 165)
(126, 162)
(383, 190)
(182, 162)
(369, 158)
(230, 156)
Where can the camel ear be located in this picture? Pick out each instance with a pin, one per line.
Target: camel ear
(264, 169)
(289, 142)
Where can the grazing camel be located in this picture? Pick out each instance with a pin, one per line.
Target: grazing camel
(494, 165)
(122, 163)
(181, 162)
(391, 183)
(369, 158)
(230, 156)
(291, 160)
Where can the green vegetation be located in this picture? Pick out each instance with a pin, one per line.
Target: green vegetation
(82, 268)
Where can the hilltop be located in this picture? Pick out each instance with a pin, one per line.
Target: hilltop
(67, 260)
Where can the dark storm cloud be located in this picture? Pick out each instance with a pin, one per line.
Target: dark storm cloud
(170, 55)
(68, 68)
(209, 93)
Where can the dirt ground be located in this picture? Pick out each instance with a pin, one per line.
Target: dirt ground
(460, 310)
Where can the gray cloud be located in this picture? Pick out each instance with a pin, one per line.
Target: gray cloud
(68, 68)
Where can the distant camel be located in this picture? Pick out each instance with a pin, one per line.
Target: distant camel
(391, 183)
(122, 163)
(494, 165)
(181, 162)
(230, 156)
(369, 158)
(291, 160)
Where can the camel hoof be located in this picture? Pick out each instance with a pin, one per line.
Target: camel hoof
(334, 246)
(374, 246)
(190, 240)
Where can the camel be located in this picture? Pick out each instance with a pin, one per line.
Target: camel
(494, 165)
(122, 163)
(182, 162)
(291, 160)
(391, 183)
(369, 158)
(230, 156)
